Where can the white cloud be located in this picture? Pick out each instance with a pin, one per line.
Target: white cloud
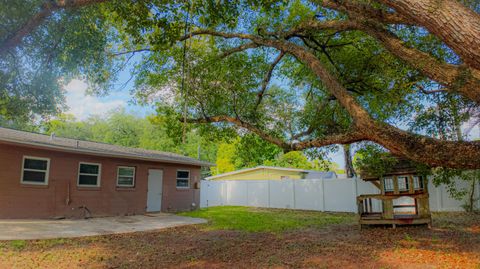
(82, 105)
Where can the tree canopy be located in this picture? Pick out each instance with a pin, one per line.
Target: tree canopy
(298, 74)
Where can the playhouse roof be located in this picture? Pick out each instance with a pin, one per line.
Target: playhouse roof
(401, 167)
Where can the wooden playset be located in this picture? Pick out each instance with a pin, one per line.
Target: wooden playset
(403, 198)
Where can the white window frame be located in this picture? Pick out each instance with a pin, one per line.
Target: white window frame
(118, 175)
(47, 172)
(420, 182)
(176, 178)
(385, 185)
(85, 174)
(403, 179)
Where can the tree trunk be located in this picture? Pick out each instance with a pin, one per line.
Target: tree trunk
(457, 25)
(471, 204)
(348, 160)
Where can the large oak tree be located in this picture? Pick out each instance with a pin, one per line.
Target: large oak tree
(43, 44)
(353, 54)
(308, 74)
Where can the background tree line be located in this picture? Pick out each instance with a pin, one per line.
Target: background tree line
(229, 150)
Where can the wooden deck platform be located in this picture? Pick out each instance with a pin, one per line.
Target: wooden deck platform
(403, 220)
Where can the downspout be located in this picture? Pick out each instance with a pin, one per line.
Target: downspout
(67, 201)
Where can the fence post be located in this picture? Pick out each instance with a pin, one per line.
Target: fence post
(268, 195)
(439, 197)
(323, 194)
(246, 195)
(206, 191)
(225, 189)
(355, 193)
(478, 193)
(294, 196)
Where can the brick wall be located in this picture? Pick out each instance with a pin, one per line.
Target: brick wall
(62, 197)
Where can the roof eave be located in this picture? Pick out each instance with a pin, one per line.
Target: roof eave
(110, 154)
(256, 168)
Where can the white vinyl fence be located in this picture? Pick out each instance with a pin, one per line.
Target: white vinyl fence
(335, 195)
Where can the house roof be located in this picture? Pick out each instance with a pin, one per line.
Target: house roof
(262, 167)
(93, 148)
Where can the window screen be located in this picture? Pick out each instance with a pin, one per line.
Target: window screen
(35, 170)
(417, 183)
(183, 179)
(402, 183)
(126, 176)
(388, 184)
(89, 174)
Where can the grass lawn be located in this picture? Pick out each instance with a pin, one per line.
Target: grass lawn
(266, 220)
(240, 237)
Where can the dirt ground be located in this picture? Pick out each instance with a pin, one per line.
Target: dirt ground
(454, 242)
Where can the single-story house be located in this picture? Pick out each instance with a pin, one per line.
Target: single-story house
(272, 173)
(45, 176)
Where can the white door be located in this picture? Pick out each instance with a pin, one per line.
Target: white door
(154, 192)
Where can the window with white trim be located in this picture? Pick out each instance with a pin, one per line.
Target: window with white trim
(402, 183)
(89, 174)
(417, 183)
(35, 170)
(388, 184)
(126, 176)
(183, 179)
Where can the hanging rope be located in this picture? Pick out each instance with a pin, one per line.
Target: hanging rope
(184, 74)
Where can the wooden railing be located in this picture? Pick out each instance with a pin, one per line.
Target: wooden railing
(365, 205)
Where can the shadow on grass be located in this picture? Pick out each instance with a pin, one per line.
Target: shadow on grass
(329, 244)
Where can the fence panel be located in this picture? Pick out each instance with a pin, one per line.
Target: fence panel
(216, 193)
(237, 193)
(340, 195)
(440, 199)
(281, 193)
(309, 194)
(337, 195)
(258, 193)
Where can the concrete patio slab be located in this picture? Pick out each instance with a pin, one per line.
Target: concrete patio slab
(48, 229)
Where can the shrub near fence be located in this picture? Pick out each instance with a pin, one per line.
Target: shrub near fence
(335, 195)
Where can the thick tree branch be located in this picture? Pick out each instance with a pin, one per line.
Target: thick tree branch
(455, 78)
(220, 34)
(354, 8)
(459, 79)
(315, 25)
(239, 123)
(267, 78)
(345, 138)
(455, 24)
(424, 91)
(47, 9)
(243, 47)
(119, 53)
(419, 148)
(451, 21)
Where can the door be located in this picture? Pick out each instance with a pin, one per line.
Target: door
(154, 192)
